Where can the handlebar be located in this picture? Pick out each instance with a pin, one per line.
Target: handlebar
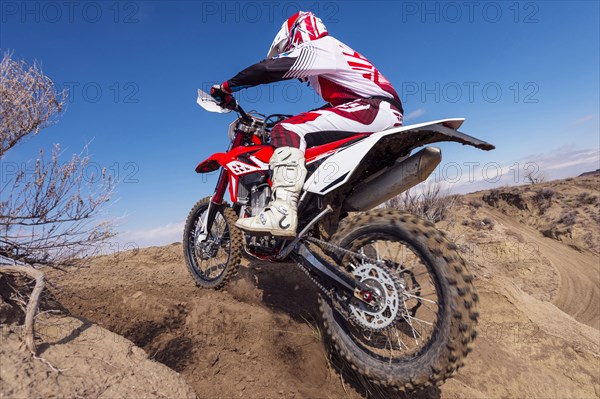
(235, 106)
(242, 113)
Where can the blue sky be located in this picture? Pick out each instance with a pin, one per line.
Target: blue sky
(525, 75)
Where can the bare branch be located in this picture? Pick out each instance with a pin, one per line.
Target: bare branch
(534, 177)
(34, 298)
(48, 213)
(29, 101)
(49, 209)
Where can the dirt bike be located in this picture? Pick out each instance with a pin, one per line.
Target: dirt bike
(396, 298)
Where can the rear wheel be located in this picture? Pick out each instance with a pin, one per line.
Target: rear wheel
(422, 323)
(215, 260)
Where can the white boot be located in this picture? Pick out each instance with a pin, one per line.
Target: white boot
(279, 218)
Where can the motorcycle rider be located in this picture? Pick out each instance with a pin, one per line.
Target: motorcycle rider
(361, 100)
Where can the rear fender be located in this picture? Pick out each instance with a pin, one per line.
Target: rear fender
(350, 161)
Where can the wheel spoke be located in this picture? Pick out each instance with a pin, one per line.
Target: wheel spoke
(419, 320)
(419, 289)
(406, 309)
(418, 297)
(211, 254)
(428, 308)
(399, 276)
(412, 328)
(399, 340)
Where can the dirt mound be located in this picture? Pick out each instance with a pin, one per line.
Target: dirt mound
(93, 362)
(565, 210)
(594, 172)
(261, 337)
(527, 348)
(258, 338)
(545, 237)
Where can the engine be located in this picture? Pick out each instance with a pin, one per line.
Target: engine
(259, 197)
(254, 193)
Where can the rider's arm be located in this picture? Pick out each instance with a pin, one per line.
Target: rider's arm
(305, 60)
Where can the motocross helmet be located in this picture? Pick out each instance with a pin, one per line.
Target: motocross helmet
(301, 27)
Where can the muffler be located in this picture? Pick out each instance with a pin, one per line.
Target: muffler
(391, 181)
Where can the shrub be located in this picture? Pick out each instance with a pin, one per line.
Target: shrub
(553, 231)
(543, 199)
(569, 218)
(431, 204)
(534, 178)
(544, 194)
(475, 203)
(587, 199)
(488, 222)
(47, 214)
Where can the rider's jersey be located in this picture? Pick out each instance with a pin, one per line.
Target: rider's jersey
(338, 73)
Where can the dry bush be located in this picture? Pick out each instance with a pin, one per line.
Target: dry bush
(544, 194)
(556, 232)
(475, 203)
(49, 213)
(512, 197)
(486, 223)
(568, 218)
(533, 177)
(543, 199)
(431, 204)
(587, 199)
(29, 101)
(48, 210)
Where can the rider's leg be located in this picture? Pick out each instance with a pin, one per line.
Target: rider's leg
(291, 136)
(335, 123)
(279, 218)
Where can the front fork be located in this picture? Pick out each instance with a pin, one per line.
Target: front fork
(216, 201)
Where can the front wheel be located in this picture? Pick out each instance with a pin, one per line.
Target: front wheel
(422, 324)
(212, 261)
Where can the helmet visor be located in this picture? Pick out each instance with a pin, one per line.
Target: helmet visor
(280, 42)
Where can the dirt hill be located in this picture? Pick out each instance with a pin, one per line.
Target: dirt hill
(534, 252)
(82, 360)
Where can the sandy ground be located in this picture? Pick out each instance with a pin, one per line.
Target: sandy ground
(83, 360)
(261, 337)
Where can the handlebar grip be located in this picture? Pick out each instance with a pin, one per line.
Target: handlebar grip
(231, 104)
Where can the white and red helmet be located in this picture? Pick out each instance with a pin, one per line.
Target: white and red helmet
(301, 27)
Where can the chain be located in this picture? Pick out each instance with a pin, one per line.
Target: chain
(322, 288)
(315, 281)
(340, 250)
(328, 293)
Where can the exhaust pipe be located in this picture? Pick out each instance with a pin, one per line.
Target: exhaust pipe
(391, 181)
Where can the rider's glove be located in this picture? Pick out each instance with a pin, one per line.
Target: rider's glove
(222, 94)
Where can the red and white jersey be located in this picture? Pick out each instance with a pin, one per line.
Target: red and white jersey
(338, 73)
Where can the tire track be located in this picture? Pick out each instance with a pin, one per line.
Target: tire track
(579, 286)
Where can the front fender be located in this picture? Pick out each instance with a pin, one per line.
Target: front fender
(261, 152)
(211, 163)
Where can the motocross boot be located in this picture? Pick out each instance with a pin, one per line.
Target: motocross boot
(279, 217)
